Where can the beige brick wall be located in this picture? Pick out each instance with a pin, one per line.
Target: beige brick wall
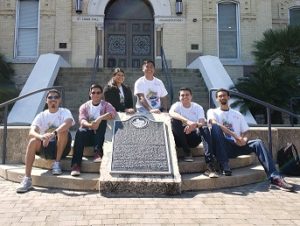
(7, 27)
(83, 44)
(56, 26)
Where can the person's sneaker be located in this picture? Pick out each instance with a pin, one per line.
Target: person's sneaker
(25, 185)
(97, 157)
(56, 170)
(280, 183)
(210, 171)
(75, 171)
(226, 169)
(188, 158)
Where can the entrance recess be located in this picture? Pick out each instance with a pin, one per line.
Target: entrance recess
(128, 33)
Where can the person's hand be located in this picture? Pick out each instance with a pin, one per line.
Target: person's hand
(190, 127)
(129, 110)
(94, 125)
(46, 138)
(241, 141)
(156, 111)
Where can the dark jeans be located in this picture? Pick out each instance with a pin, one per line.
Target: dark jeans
(230, 150)
(187, 141)
(85, 137)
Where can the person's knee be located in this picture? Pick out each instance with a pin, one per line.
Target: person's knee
(34, 144)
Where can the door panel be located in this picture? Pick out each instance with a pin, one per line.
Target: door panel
(128, 42)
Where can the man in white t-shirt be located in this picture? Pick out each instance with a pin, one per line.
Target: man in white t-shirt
(189, 129)
(150, 91)
(229, 134)
(50, 137)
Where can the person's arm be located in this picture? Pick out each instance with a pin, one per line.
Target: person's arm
(112, 96)
(128, 100)
(189, 125)
(142, 99)
(239, 140)
(64, 127)
(34, 132)
(164, 103)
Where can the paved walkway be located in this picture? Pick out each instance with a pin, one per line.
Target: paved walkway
(248, 205)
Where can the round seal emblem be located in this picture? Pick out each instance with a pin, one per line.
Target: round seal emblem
(139, 122)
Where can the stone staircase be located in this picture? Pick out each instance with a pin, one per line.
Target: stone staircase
(76, 82)
(245, 171)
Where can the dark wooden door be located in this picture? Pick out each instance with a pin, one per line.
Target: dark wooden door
(128, 43)
(128, 33)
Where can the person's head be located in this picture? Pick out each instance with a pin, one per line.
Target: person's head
(222, 96)
(185, 95)
(148, 67)
(118, 76)
(53, 99)
(95, 93)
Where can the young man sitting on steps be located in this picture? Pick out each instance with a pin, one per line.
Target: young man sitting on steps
(189, 128)
(229, 134)
(93, 116)
(50, 137)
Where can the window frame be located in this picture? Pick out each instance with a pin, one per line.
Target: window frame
(289, 14)
(17, 28)
(238, 35)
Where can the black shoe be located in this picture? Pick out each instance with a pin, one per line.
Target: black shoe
(211, 171)
(226, 169)
(280, 183)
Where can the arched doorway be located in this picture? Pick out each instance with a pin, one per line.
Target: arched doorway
(128, 33)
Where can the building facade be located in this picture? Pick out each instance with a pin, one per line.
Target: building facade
(124, 32)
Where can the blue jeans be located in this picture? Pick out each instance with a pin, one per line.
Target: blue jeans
(187, 141)
(86, 137)
(231, 150)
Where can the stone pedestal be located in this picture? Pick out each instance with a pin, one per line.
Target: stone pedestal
(127, 166)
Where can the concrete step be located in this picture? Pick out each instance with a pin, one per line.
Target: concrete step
(90, 181)
(87, 164)
(199, 165)
(241, 176)
(44, 178)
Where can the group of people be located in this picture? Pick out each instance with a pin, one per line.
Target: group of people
(223, 134)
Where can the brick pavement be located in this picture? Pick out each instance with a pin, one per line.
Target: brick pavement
(254, 204)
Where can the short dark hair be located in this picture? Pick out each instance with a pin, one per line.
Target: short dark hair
(222, 90)
(53, 91)
(148, 61)
(93, 86)
(185, 89)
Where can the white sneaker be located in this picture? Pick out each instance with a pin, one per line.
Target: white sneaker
(56, 170)
(25, 185)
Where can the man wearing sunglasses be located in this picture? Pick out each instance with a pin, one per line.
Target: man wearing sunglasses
(93, 116)
(50, 137)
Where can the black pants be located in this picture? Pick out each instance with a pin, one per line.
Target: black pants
(85, 137)
(187, 141)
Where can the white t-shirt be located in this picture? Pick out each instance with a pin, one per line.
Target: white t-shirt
(122, 97)
(94, 111)
(47, 121)
(153, 90)
(232, 119)
(194, 113)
